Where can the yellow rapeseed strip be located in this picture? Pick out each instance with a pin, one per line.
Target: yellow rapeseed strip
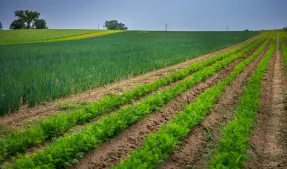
(83, 36)
(74, 37)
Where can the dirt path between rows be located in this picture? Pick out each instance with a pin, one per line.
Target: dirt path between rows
(118, 148)
(47, 109)
(197, 146)
(269, 140)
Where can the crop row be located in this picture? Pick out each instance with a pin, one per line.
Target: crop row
(19, 141)
(231, 148)
(68, 149)
(159, 145)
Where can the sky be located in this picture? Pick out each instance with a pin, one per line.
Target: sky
(179, 15)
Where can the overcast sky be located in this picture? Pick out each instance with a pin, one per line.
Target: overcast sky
(153, 14)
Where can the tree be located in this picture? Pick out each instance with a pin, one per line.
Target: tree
(17, 24)
(1, 26)
(40, 24)
(285, 28)
(115, 25)
(27, 16)
(121, 26)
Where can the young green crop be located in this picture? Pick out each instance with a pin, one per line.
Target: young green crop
(34, 73)
(57, 125)
(68, 149)
(231, 148)
(159, 145)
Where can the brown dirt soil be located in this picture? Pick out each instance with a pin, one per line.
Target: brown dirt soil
(47, 109)
(269, 139)
(116, 149)
(196, 148)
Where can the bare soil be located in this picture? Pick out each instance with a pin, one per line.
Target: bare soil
(118, 148)
(269, 140)
(17, 119)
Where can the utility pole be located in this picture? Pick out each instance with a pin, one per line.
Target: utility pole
(165, 27)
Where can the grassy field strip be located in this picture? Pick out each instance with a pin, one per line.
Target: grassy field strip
(57, 125)
(66, 150)
(231, 148)
(283, 40)
(159, 145)
(71, 37)
(31, 74)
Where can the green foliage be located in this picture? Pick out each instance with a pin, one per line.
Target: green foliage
(115, 25)
(57, 125)
(284, 28)
(17, 24)
(27, 17)
(40, 24)
(41, 72)
(1, 27)
(232, 147)
(68, 149)
(159, 145)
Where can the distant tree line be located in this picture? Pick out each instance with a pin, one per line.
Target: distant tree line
(28, 20)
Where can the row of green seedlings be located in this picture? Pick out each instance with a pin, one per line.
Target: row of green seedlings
(20, 140)
(232, 146)
(283, 42)
(159, 145)
(68, 149)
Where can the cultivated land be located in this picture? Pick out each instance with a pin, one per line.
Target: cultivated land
(226, 109)
(39, 72)
(46, 35)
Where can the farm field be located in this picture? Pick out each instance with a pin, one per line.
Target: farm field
(47, 35)
(40, 72)
(171, 100)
